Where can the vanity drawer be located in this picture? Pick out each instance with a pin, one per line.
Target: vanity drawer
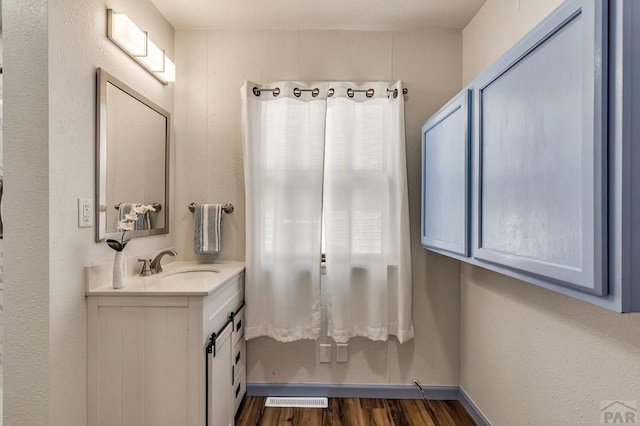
(238, 326)
(239, 359)
(239, 389)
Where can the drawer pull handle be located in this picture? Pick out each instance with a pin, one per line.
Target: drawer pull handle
(237, 389)
(239, 325)
(238, 357)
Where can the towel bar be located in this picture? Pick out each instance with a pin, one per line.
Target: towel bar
(156, 206)
(227, 208)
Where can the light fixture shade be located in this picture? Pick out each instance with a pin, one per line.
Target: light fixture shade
(154, 59)
(169, 73)
(126, 34)
(137, 44)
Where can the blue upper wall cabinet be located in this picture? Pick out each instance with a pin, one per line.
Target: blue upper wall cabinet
(446, 177)
(555, 163)
(540, 141)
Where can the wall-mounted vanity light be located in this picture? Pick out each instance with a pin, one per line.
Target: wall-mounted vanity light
(136, 43)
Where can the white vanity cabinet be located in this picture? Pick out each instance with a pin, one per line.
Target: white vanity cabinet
(148, 360)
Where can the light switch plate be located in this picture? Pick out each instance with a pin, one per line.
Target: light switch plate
(342, 352)
(325, 352)
(85, 213)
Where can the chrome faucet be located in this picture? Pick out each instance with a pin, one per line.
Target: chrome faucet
(155, 265)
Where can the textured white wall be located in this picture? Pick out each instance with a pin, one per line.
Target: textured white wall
(26, 212)
(212, 66)
(533, 357)
(1, 241)
(530, 356)
(495, 28)
(51, 52)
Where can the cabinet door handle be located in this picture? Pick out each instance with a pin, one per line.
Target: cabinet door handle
(238, 389)
(233, 373)
(239, 325)
(238, 358)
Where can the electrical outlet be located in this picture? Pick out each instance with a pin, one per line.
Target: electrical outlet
(325, 352)
(85, 213)
(342, 352)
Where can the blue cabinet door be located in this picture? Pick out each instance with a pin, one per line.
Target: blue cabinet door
(540, 141)
(446, 177)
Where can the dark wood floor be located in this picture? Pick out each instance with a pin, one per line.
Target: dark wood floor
(357, 412)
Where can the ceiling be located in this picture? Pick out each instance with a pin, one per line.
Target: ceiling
(381, 15)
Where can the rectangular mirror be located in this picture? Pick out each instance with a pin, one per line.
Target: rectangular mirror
(132, 158)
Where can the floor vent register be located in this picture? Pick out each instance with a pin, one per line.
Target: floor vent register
(299, 402)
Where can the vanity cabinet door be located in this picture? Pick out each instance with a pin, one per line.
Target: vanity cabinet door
(221, 404)
(540, 138)
(138, 361)
(446, 177)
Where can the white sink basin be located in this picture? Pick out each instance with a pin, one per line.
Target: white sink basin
(198, 277)
(190, 274)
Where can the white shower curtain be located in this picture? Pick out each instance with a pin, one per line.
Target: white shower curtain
(283, 160)
(366, 213)
(357, 145)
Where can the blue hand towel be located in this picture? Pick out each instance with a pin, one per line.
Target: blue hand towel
(207, 228)
(143, 222)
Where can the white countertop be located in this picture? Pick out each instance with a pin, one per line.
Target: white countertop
(171, 282)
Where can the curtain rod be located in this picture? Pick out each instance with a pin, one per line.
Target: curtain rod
(297, 92)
